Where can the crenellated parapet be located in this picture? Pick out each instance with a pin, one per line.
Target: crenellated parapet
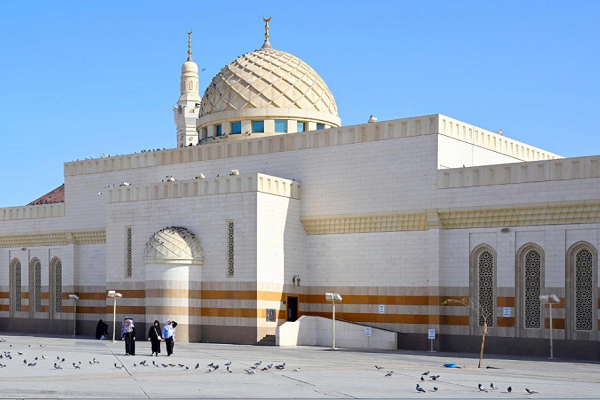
(230, 184)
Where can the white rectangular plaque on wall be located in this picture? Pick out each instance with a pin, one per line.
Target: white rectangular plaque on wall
(381, 309)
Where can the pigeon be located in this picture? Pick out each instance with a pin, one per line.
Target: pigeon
(197, 365)
(58, 358)
(435, 389)
(530, 391)
(44, 357)
(210, 369)
(24, 361)
(56, 366)
(31, 364)
(297, 369)
(509, 389)
(258, 363)
(117, 366)
(90, 362)
(216, 367)
(425, 373)
(270, 366)
(164, 365)
(211, 365)
(228, 370)
(420, 389)
(481, 388)
(434, 377)
(492, 386)
(422, 379)
(76, 366)
(171, 365)
(254, 367)
(378, 367)
(229, 363)
(28, 345)
(181, 365)
(63, 360)
(19, 353)
(3, 365)
(143, 363)
(41, 345)
(389, 374)
(154, 363)
(250, 371)
(36, 359)
(265, 369)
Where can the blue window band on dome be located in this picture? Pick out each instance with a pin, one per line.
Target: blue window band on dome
(301, 127)
(236, 128)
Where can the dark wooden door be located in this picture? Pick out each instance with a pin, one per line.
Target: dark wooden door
(292, 309)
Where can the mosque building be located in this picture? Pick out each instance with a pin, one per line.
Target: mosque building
(266, 202)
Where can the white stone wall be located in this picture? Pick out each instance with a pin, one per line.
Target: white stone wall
(454, 153)
(369, 259)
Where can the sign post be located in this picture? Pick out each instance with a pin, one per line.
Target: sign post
(550, 299)
(368, 334)
(431, 336)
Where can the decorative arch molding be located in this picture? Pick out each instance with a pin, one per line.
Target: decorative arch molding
(35, 286)
(56, 286)
(525, 257)
(571, 284)
(483, 285)
(15, 284)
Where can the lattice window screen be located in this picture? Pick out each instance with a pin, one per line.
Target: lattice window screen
(128, 255)
(58, 286)
(486, 287)
(230, 260)
(17, 267)
(533, 278)
(584, 294)
(37, 289)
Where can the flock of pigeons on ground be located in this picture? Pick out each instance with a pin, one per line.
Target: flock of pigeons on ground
(425, 376)
(434, 378)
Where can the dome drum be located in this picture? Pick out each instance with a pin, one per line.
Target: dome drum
(173, 245)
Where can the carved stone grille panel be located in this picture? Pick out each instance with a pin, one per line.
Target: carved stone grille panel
(533, 278)
(58, 286)
(486, 287)
(584, 294)
(17, 269)
(129, 258)
(37, 289)
(230, 268)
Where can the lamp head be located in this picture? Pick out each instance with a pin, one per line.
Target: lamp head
(74, 297)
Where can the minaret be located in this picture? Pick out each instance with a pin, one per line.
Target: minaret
(188, 106)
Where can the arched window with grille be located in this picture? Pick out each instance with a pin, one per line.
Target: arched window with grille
(56, 286)
(584, 290)
(15, 289)
(35, 291)
(581, 292)
(485, 287)
(532, 279)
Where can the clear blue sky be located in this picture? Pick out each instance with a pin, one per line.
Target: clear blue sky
(81, 78)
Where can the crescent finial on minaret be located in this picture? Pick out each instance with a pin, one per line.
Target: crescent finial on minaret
(190, 45)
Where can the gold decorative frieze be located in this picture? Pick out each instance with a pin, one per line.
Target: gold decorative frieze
(53, 239)
(364, 223)
(563, 214)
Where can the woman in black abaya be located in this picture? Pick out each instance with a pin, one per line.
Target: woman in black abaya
(155, 336)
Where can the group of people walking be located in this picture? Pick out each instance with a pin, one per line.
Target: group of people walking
(156, 335)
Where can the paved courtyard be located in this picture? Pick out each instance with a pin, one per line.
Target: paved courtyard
(323, 373)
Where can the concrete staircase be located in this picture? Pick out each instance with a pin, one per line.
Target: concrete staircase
(268, 340)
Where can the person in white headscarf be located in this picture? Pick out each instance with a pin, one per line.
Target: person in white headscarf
(129, 337)
(168, 334)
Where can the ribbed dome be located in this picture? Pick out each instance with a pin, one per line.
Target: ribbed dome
(267, 78)
(173, 244)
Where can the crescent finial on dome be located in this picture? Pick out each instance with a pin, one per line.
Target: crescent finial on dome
(267, 45)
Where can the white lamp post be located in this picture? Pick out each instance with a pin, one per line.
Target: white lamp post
(114, 295)
(333, 297)
(75, 298)
(550, 299)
